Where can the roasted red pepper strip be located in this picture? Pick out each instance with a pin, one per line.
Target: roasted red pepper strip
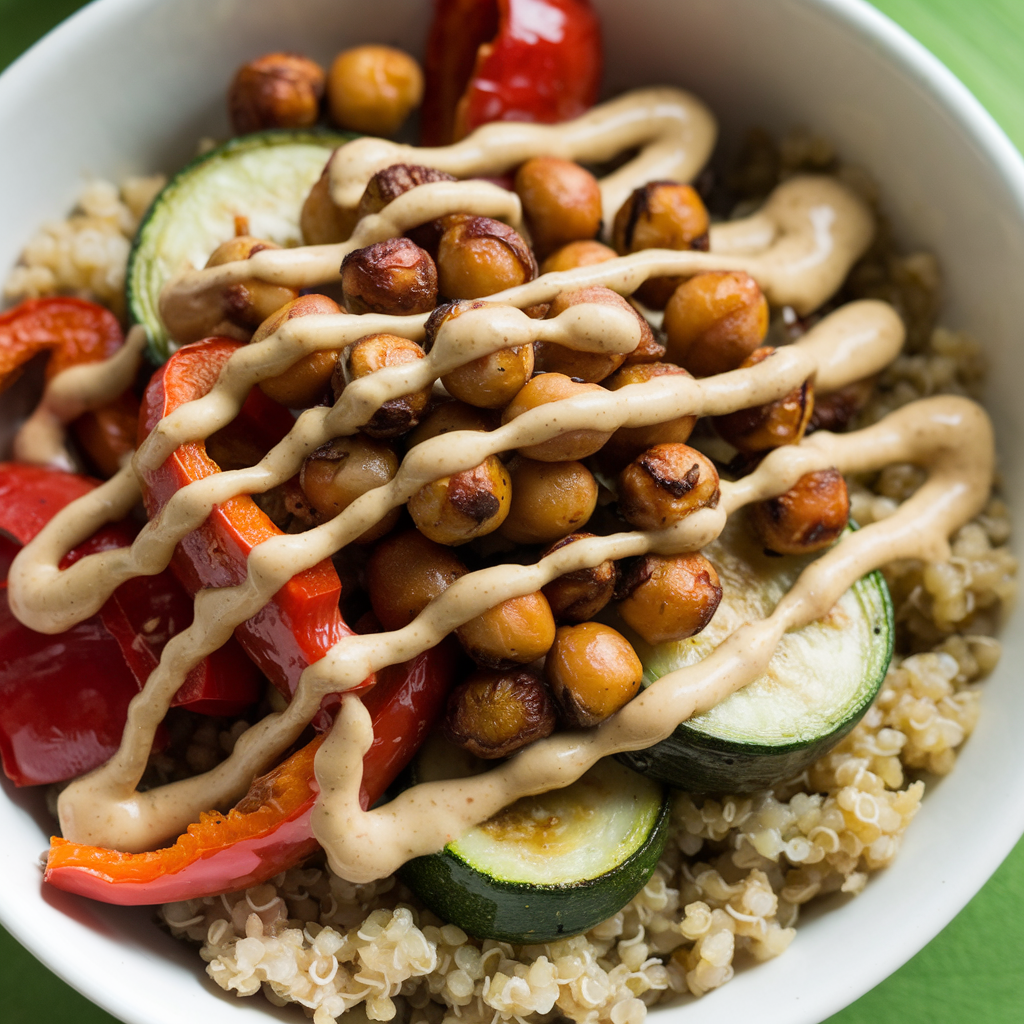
(107, 434)
(72, 330)
(301, 622)
(269, 830)
(64, 698)
(508, 60)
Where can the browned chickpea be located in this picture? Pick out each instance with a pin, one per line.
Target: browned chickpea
(835, 409)
(395, 277)
(516, 632)
(393, 181)
(763, 427)
(668, 599)
(807, 517)
(561, 202)
(405, 573)
(543, 390)
(714, 321)
(479, 256)
(373, 89)
(586, 366)
(493, 714)
(340, 471)
(549, 500)
(579, 595)
(447, 417)
(372, 353)
(457, 508)
(277, 90)
(660, 215)
(593, 671)
(628, 442)
(308, 381)
(577, 254)
(321, 221)
(665, 484)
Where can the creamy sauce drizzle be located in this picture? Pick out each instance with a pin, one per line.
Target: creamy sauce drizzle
(799, 247)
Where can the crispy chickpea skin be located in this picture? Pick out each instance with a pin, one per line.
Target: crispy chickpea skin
(660, 215)
(457, 508)
(395, 277)
(338, 472)
(543, 390)
(516, 632)
(308, 381)
(714, 321)
(478, 256)
(579, 595)
(549, 500)
(772, 425)
(577, 254)
(586, 366)
(668, 599)
(277, 90)
(628, 442)
(493, 714)
(388, 184)
(665, 484)
(321, 221)
(807, 517)
(561, 202)
(449, 416)
(835, 409)
(372, 353)
(373, 89)
(593, 671)
(405, 573)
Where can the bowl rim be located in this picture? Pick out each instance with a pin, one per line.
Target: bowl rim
(910, 56)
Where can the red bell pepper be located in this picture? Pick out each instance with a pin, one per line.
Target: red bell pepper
(508, 60)
(269, 830)
(107, 434)
(302, 621)
(64, 698)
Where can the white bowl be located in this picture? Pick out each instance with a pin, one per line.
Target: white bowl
(130, 85)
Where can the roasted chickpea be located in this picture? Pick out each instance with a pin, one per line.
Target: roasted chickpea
(308, 381)
(372, 353)
(395, 277)
(321, 221)
(479, 256)
(665, 484)
(340, 471)
(449, 416)
(561, 202)
(579, 595)
(577, 254)
(835, 409)
(807, 517)
(373, 89)
(493, 714)
(393, 181)
(516, 632)
(763, 427)
(277, 90)
(628, 442)
(405, 573)
(586, 366)
(714, 321)
(574, 444)
(549, 500)
(457, 508)
(668, 599)
(593, 671)
(660, 215)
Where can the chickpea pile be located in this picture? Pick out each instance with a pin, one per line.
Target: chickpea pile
(549, 659)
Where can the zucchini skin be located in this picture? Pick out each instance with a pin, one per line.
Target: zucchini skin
(520, 913)
(693, 760)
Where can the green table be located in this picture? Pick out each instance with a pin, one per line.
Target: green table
(974, 970)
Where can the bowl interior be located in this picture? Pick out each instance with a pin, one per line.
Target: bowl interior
(129, 86)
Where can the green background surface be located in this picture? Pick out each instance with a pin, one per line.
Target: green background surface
(973, 973)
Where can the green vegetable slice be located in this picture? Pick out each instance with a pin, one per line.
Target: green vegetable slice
(551, 865)
(264, 177)
(820, 682)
